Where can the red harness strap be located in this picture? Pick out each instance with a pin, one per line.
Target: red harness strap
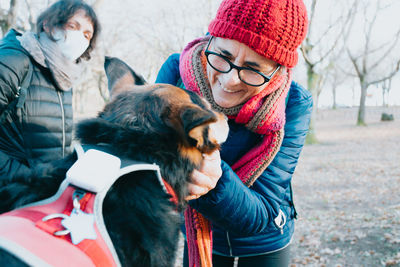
(26, 228)
(171, 191)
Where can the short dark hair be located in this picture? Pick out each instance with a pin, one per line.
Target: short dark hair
(58, 14)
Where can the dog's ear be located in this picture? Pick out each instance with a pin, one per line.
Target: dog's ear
(120, 76)
(195, 121)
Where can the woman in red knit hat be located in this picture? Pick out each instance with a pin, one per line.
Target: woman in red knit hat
(244, 69)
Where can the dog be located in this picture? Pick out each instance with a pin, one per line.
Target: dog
(160, 124)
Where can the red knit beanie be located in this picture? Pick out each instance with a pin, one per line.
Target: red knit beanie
(272, 28)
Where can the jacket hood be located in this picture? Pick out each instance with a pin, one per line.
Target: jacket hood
(10, 41)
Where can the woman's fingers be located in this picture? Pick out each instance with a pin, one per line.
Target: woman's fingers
(200, 185)
(206, 178)
(212, 165)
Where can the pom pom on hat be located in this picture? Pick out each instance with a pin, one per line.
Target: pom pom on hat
(272, 28)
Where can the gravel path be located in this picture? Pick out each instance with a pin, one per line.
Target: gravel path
(347, 192)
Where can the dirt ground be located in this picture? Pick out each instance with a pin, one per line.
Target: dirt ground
(347, 192)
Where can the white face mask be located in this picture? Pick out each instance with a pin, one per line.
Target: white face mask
(72, 44)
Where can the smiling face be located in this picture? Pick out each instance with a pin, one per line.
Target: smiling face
(227, 89)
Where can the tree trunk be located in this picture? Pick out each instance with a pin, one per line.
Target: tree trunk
(334, 104)
(312, 81)
(383, 97)
(100, 77)
(10, 17)
(361, 109)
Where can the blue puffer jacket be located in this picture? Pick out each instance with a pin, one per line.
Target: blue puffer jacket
(246, 220)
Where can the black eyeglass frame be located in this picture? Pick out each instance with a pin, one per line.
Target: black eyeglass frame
(267, 78)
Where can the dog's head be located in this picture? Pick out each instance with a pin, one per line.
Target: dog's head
(157, 123)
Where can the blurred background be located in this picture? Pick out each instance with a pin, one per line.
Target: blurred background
(347, 182)
(350, 58)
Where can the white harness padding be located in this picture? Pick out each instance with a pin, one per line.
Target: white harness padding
(95, 171)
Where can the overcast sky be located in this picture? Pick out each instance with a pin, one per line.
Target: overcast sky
(182, 20)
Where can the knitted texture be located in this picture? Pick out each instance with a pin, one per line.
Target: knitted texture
(272, 28)
(264, 114)
(199, 236)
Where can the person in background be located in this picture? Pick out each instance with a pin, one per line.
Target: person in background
(37, 72)
(244, 69)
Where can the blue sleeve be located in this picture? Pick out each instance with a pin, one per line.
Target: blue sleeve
(236, 208)
(169, 71)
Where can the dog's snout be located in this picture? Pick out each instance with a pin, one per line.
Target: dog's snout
(219, 130)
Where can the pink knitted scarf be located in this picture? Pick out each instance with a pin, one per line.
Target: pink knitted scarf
(264, 114)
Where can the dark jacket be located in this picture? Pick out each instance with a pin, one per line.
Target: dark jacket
(243, 218)
(43, 130)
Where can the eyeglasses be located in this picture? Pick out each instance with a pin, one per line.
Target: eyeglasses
(247, 75)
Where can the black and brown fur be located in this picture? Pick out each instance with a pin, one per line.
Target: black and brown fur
(159, 124)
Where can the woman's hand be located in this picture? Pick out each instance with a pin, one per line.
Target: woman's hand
(206, 178)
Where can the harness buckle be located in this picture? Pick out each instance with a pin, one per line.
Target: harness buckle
(79, 224)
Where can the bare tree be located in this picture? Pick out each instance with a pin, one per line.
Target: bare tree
(8, 17)
(31, 19)
(317, 52)
(373, 57)
(336, 77)
(386, 86)
(20, 15)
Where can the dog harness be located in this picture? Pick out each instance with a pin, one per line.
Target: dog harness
(68, 229)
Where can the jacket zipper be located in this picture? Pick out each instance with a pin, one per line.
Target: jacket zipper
(63, 123)
(229, 244)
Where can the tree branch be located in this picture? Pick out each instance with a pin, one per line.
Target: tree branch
(389, 76)
(354, 62)
(388, 51)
